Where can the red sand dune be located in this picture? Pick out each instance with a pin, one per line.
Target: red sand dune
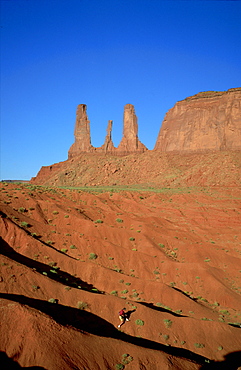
(71, 259)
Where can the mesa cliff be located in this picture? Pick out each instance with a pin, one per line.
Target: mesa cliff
(207, 123)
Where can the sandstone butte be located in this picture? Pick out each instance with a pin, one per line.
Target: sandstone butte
(206, 122)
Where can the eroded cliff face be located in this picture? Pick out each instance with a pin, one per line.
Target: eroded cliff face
(206, 121)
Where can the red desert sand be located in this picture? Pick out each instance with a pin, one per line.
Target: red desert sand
(71, 259)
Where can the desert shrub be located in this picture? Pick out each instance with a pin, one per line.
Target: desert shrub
(139, 322)
(22, 209)
(98, 222)
(199, 345)
(224, 312)
(178, 311)
(82, 305)
(118, 270)
(25, 224)
(64, 250)
(119, 220)
(161, 245)
(126, 359)
(35, 287)
(124, 291)
(52, 300)
(92, 256)
(119, 366)
(114, 292)
(53, 271)
(73, 247)
(168, 323)
(131, 239)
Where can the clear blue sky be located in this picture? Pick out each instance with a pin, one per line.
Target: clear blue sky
(56, 54)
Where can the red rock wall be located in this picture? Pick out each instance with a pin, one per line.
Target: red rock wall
(206, 121)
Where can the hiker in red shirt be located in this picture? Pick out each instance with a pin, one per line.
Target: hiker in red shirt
(122, 316)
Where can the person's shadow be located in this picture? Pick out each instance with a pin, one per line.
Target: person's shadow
(128, 314)
(232, 361)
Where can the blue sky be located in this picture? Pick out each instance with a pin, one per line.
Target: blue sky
(57, 54)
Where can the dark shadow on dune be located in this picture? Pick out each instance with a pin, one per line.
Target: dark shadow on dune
(93, 324)
(235, 325)
(160, 309)
(52, 273)
(186, 295)
(232, 361)
(38, 237)
(7, 363)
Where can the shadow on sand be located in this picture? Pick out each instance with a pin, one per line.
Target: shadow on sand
(93, 324)
(8, 364)
(232, 361)
(52, 273)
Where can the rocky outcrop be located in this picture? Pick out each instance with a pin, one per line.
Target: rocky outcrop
(82, 133)
(206, 121)
(130, 142)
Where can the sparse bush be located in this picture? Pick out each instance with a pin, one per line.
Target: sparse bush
(73, 247)
(224, 312)
(139, 322)
(199, 345)
(119, 220)
(22, 210)
(131, 239)
(161, 245)
(98, 222)
(92, 256)
(64, 250)
(25, 224)
(82, 305)
(53, 300)
(168, 323)
(119, 366)
(114, 292)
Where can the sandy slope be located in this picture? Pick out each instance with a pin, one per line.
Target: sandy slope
(172, 258)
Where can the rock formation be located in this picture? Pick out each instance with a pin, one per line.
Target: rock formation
(82, 133)
(108, 146)
(206, 121)
(130, 142)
